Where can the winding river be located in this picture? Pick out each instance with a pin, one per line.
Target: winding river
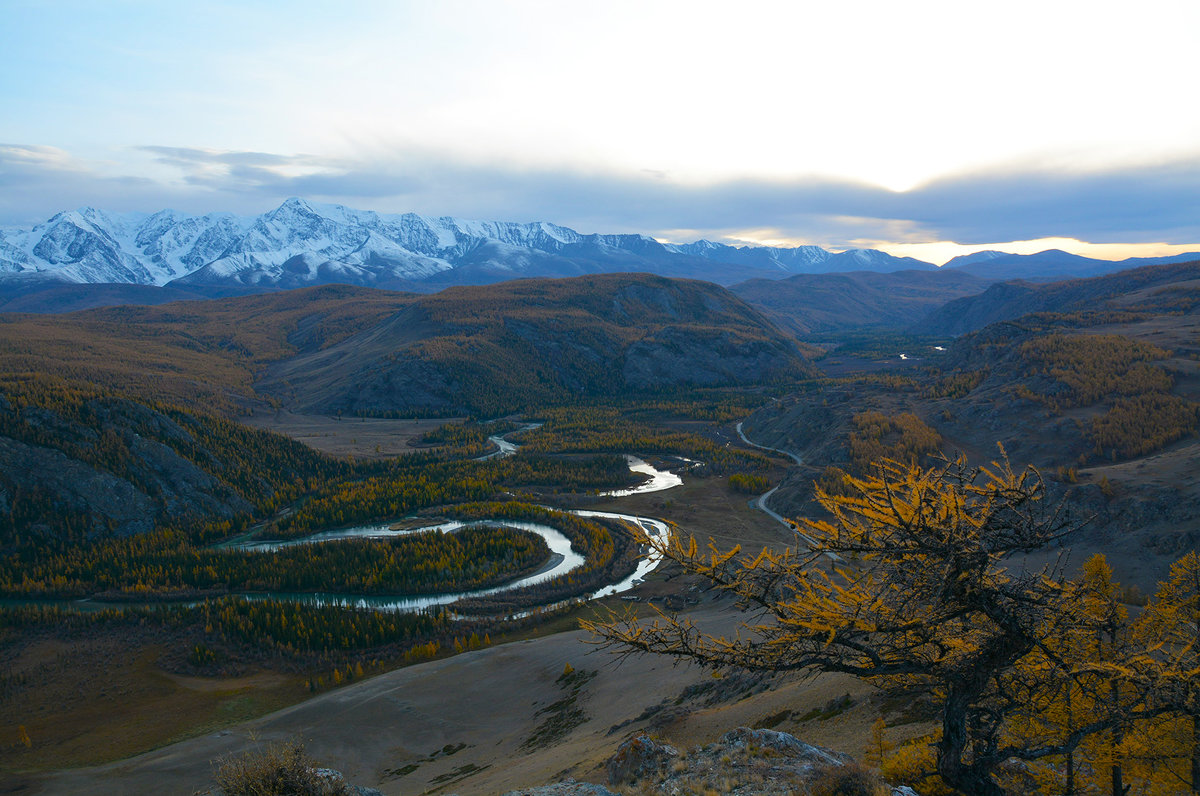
(503, 446)
(563, 559)
(659, 479)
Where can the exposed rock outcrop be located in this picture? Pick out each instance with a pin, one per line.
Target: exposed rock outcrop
(565, 788)
(744, 762)
(640, 757)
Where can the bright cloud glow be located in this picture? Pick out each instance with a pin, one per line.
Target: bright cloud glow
(387, 105)
(942, 251)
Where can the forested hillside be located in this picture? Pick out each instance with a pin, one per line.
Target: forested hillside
(823, 303)
(486, 350)
(517, 345)
(122, 420)
(1102, 394)
(1150, 289)
(78, 463)
(203, 354)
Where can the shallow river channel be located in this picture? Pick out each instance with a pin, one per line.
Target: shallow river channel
(563, 558)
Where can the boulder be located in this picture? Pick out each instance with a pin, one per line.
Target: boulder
(640, 757)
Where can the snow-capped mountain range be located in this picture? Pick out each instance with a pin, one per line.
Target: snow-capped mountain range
(303, 243)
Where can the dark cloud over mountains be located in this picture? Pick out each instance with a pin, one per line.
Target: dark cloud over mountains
(1128, 204)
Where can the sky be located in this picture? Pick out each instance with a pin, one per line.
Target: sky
(927, 129)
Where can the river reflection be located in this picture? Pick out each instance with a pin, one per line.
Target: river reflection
(659, 479)
(563, 558)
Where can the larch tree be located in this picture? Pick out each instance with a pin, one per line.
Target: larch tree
(1170, 629)
(1097, 683)
(1110, 626)
(913, 582)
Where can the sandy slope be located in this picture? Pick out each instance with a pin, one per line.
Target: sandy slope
(489, 701)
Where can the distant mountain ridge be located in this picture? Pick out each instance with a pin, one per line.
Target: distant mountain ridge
(302, 243)
(1051, 265)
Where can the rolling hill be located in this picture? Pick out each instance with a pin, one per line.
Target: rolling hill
(1095, 382)
(820, 303)
(482, 349)
(78, 463)
(519, 344)
(113, 419)
(1156, 286)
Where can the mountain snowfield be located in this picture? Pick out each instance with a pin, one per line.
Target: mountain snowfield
(303, 243)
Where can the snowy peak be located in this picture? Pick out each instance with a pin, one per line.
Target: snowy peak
(89, 245)
(13, 260)
(974, 257)
(874, 260)
(302, 242)
(799, 259)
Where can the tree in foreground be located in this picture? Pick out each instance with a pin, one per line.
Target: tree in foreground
(906, 585)
(1169, 629)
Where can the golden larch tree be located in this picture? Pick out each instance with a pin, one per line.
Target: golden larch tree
(913, 581)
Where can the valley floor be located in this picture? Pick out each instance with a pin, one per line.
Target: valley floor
(360, 437)
(110, 701)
